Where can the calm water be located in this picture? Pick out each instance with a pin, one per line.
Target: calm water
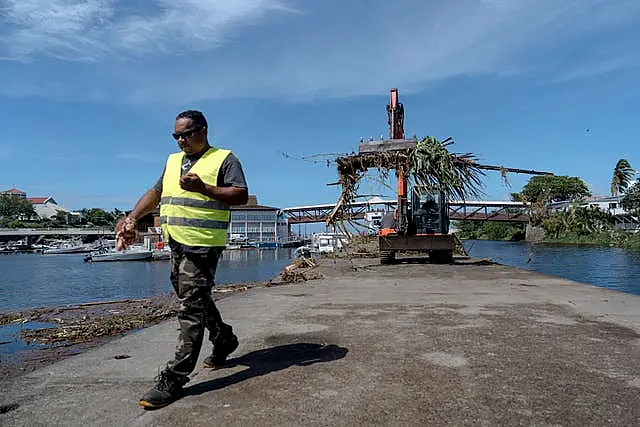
(611, 268)
(35, 280)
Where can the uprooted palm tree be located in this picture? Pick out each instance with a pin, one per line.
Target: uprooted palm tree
(622, 176)
(428, 164)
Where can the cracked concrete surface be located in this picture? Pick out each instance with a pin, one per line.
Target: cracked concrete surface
(409, 344)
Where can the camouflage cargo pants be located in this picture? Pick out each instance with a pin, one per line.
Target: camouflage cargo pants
(192, 277)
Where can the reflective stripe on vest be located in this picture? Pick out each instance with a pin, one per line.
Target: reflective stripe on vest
(183, 201)
(194, 222)
(192, 218)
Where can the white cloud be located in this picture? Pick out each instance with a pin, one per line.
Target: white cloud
(431, 42)
(183, 51)
(59, 28)
(592, 69)
(98, 29)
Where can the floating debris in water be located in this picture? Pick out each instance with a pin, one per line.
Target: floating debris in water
(85, 329)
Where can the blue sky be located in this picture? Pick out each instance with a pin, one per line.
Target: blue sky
(90, 88)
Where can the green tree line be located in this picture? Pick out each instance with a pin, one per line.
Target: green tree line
(16, 212)
(574, 223)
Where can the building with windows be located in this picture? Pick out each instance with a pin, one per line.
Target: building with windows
(264, 226)
(610, 204)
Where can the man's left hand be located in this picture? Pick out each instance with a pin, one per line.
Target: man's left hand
(192, 182)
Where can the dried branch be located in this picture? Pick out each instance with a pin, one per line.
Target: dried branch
(428, 164)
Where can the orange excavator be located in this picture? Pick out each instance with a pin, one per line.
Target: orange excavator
(419, 225)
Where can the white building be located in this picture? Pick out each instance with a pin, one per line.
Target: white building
(264, 226)
(610, 204)
(45, 207)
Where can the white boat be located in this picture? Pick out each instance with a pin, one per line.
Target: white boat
(132, 253)
(69, 248)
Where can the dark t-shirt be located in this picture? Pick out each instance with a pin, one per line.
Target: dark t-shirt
(230, 175)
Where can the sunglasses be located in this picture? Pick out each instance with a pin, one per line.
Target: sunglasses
(187, 133)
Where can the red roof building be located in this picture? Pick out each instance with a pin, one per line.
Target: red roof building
(41, 200)
(15, 192)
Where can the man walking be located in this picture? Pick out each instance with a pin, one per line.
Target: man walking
(195, 192)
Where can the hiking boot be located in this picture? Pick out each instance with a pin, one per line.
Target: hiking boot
(220, 353)
(168, 388)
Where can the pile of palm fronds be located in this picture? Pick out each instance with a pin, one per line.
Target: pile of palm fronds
(300, 270)
(428, 164)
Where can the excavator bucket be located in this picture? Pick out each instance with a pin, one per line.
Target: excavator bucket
(385, 145)
(396, 140)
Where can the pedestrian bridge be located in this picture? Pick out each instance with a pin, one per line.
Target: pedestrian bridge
(472, 210)
(469, 210)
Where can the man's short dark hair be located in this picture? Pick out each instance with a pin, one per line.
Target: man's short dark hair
(195, 116)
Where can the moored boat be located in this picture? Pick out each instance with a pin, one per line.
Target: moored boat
(132, 253)
(69, 248)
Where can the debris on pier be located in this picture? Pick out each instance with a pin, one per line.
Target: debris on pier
(300, 270)
(83, 323)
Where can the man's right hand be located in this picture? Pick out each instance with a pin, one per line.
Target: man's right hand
(126, 233)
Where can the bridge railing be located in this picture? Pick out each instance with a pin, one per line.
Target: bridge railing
(458, 211)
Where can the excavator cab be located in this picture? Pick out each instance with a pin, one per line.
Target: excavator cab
(428, 212)
(427, 228)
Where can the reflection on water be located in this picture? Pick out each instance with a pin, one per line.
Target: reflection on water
(252, 265)
(256, 254)
(34, 280)
(611, 268)
(11, 344)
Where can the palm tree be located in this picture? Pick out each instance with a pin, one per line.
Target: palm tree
(622, 176)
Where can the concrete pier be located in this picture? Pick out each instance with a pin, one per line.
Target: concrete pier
(407, 344)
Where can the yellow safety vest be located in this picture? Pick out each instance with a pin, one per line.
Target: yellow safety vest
(192, 218)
